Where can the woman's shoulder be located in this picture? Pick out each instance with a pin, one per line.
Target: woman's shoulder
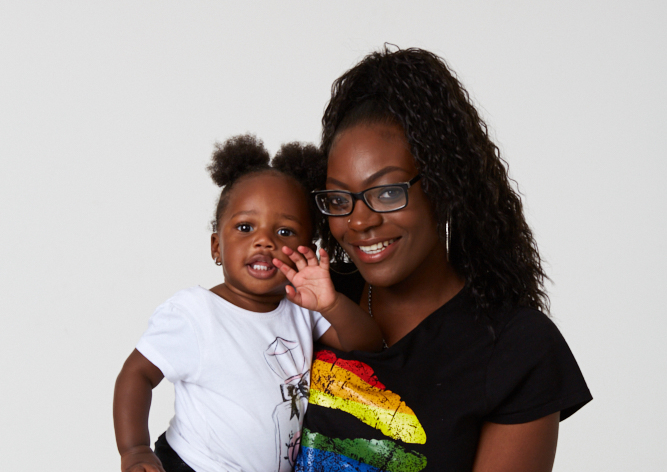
(522, 321)
(530, 351)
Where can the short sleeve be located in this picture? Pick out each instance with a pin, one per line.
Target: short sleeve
(532, 372)
(319, 323)
(171, 343)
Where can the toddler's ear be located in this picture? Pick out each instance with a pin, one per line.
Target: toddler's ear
(215, 246)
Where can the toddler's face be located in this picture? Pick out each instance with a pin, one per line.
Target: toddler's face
(264, 213)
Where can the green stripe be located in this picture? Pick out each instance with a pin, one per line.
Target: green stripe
(381, 453)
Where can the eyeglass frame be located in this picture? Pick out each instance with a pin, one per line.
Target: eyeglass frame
(360, 196)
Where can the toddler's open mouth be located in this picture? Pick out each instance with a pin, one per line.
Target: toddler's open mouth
(261, 267)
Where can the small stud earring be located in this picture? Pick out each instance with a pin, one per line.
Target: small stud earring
(218, 262)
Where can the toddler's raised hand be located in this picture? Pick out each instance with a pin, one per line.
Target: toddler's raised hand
(314, 288)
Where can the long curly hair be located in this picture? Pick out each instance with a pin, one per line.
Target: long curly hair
(463, 175)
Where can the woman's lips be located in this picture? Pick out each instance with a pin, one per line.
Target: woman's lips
(375, 252)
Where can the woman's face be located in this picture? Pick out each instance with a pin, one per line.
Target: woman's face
(388, 248)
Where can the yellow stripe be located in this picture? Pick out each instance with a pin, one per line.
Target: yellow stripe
(396, 425)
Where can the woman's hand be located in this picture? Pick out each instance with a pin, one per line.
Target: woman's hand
(313, 288)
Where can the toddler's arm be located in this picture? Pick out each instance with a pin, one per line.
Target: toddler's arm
(351, 327)
(131, 402)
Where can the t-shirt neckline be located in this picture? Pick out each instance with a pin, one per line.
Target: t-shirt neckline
(230, 306)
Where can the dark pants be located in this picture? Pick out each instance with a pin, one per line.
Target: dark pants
(170, 460)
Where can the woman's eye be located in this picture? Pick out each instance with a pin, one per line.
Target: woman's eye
(337, 201)
(284, 232)
(244, 227)
(390, 194)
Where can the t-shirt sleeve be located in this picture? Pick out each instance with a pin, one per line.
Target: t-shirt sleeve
(171, 343)
(319, 323)
(532, 372)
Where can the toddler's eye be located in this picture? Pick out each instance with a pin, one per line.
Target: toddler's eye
(284, 232)
(244, 227)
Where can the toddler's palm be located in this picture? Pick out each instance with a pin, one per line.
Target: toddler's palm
(314, 289)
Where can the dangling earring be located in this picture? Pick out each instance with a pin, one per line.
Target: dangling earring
(346, 260)
(448, 237)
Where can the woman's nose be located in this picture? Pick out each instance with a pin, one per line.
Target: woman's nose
(363, 218)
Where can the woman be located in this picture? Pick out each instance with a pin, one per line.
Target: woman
(474, 376)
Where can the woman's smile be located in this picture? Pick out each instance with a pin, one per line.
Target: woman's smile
(386, 247)
(376, 248)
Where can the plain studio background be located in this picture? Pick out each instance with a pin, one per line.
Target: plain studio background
(109, 112)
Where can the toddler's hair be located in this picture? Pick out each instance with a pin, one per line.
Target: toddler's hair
(242, 156)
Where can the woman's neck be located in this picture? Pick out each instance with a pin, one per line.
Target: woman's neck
(399, 308)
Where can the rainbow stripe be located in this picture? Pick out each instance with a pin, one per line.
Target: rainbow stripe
(320, 453)
(352, 387)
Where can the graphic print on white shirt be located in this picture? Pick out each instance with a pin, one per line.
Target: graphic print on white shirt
(286, 359)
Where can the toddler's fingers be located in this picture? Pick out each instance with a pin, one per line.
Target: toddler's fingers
(285, 269)
(292, 295)
(324, 259)
(309, 255)
(298, 259)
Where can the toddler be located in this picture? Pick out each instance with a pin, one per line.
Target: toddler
(239, 354)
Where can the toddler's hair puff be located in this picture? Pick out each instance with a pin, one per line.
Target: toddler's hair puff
(236, 157)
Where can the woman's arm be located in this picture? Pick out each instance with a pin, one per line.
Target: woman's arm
(131, 403)
(351, 327)
(526, 447)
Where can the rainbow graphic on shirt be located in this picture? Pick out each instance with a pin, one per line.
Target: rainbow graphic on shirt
(352, 387)
(321, 453)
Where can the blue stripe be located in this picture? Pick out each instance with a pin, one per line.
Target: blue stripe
(315, 460)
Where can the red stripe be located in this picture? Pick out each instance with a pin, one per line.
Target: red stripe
(359, 369)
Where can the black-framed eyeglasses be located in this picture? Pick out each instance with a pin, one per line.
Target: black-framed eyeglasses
(380, 199)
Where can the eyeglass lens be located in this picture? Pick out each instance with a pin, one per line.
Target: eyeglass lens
(381, 199)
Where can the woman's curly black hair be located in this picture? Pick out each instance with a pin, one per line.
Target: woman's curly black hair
(463, 175)
(242, 156)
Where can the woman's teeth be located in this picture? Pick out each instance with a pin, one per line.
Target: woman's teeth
(377, 247)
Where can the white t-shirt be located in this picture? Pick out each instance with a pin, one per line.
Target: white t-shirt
(241, 379)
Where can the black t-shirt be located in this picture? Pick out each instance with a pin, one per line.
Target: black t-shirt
(420, 404)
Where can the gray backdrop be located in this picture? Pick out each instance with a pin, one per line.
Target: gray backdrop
(108, 115)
